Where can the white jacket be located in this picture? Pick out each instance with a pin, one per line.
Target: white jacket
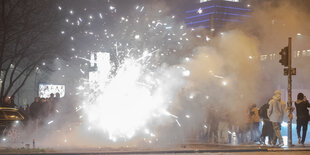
(276, 109)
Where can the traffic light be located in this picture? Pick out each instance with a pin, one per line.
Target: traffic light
(284, 56)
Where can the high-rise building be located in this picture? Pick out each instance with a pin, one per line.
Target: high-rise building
(215, 14)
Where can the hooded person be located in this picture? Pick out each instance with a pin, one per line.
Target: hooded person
(276, 113)
(302, 113)
(254, 120)
(267, 129)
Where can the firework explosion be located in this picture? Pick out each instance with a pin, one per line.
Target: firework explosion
(132, 87)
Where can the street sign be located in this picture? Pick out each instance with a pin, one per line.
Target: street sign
(293, 71)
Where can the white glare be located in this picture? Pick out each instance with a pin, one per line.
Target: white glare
(124, 104)
(186, 73)
(224, 83)
(137, 37)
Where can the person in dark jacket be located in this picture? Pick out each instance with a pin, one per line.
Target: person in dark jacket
(267, 130)
(35, 108)
(34, 112)
(302, 113)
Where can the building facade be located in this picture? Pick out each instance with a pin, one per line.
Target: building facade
(213, 15)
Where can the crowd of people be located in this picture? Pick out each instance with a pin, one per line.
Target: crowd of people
(219, 127)
(271, 114)
(38, 110)
(43, 108)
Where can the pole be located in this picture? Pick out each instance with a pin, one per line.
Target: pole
(289, 90)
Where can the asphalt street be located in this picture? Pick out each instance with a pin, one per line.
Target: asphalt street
(181, 149)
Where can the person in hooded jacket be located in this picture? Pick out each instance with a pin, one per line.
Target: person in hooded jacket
(302, 113)
(254, 120)
(276, 113)
(267, 130)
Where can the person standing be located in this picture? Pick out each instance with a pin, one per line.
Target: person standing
(34, 111)
(276, 113)
(267, 130)
(302, 113)
(254, 120)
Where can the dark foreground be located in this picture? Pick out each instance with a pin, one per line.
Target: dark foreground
(182, 149)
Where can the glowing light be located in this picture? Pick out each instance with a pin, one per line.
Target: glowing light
(59, 8)
(224, 83)
(112, 7)
(191, 96)
(186, 73)
(43, 63)
(199, 11)
(207, 38)
(137, 37)
(299, 34)
(80, 88)
(284, 124)
(250, 57)
(62, 32)
(50, 122)
(71, 12)
(187, 116)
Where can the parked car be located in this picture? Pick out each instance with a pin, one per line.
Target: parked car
(11, 124)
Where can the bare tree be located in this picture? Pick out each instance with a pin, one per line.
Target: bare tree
(29, 34)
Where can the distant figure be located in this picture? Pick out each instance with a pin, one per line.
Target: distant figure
(302, 111)
(57, 98)
(267, 130)
(254, 120)
(276, 113)
(7, 102)
(34, 110)
(12, 101)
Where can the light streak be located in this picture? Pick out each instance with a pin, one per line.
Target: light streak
(50, 122)
(178, 123)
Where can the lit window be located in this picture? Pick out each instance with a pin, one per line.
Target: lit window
(263, 57)
(271, 56)
(298, 54)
